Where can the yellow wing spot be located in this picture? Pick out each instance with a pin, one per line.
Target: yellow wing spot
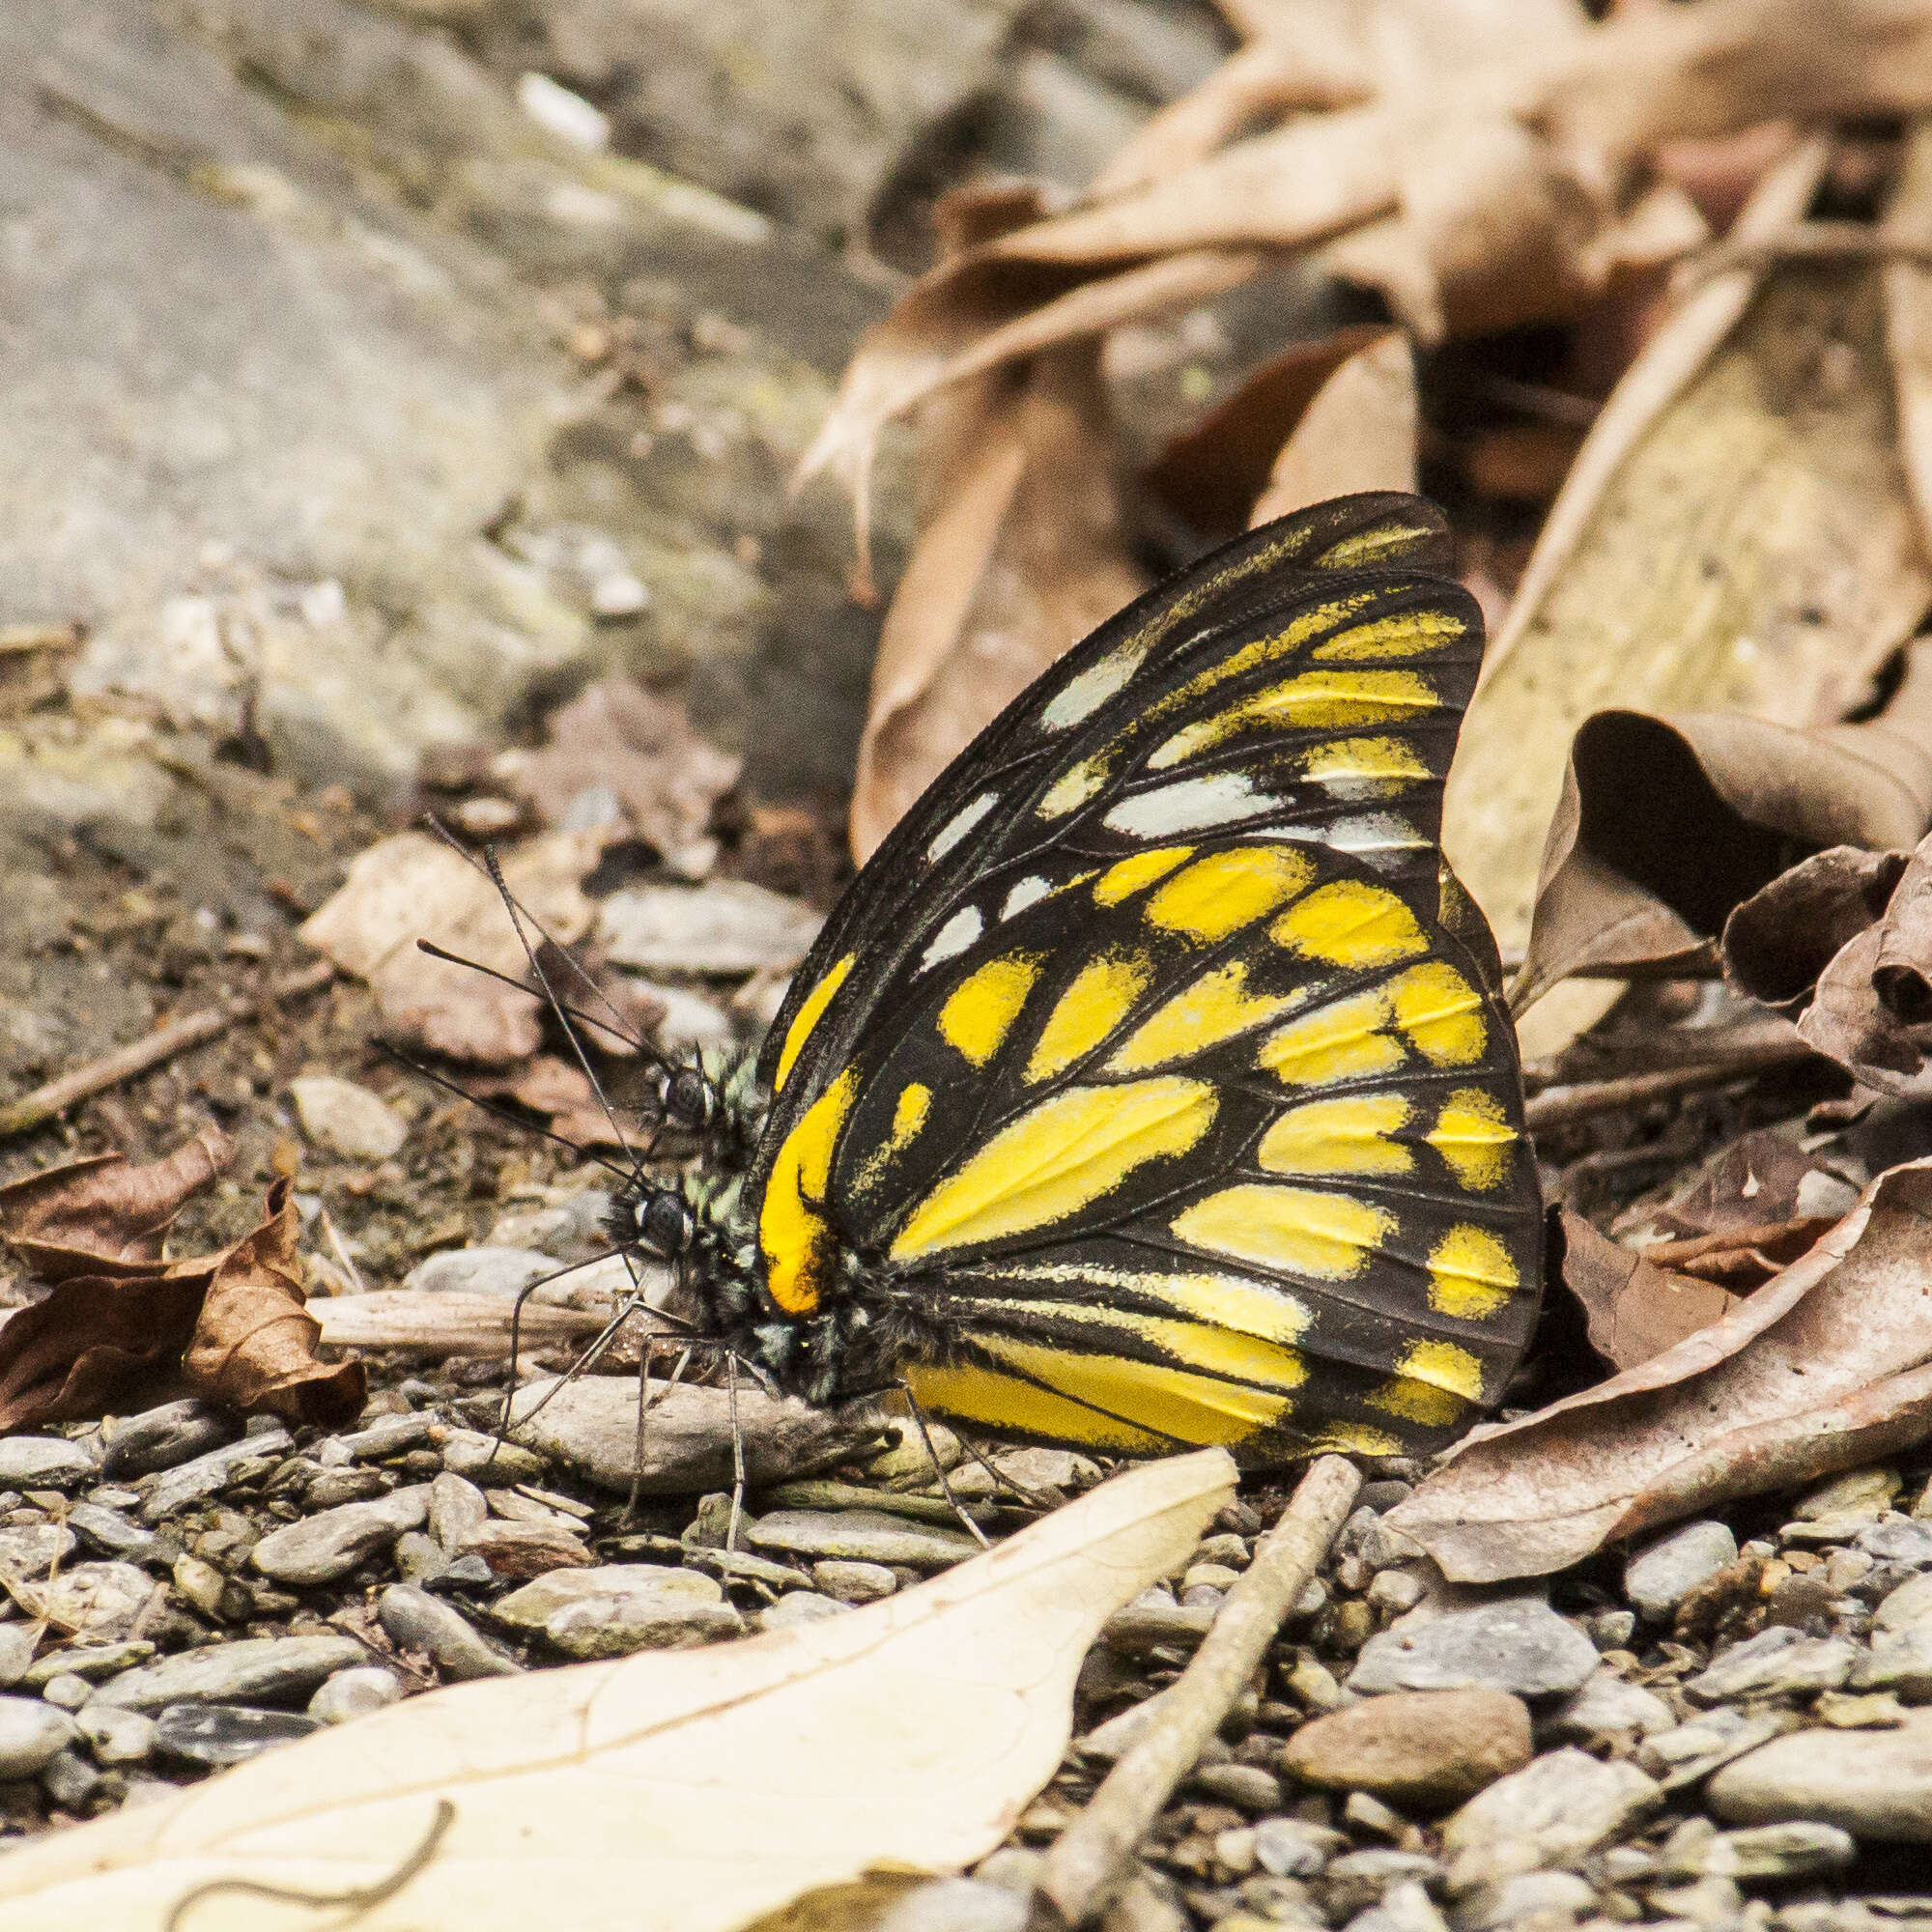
(1293, 1230)
(909, 1113)
(1470, 1274)
(1225, 890)
(1122, 880)
(1418, 1401)
(1474, 1136)
(1075, 786)
(1315, 700)
(1354, 1438)
(1365, 767)
(1216, 1006)
(794, 1235)
(1370, 546)
(1071, 1149)
(1348, 1136)
(1447, 1366)
(984, 1399)
(1350, 923)
(1440, 1012)
(1188, 1345)
(980, 1010)
(1263, 650)
(1199, 1409)
(1220, 1301)
(807, 1016)
(1407, 635)
(1103, 994)
(1341, 1041)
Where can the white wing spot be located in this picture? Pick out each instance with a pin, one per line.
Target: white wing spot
(1081, 696)
(954, 937)
(1026, 892)
(960, 823)
(1192, 804)
(1377, 838)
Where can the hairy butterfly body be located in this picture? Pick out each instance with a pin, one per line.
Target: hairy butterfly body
(1149, 1087)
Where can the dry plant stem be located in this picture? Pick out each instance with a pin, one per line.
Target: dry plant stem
(43, 1103)
(1560, 1106)
(1092, 1855)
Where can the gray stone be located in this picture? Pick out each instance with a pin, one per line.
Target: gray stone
(504, 1271)
(43, 1462)
(256, 1669)
(160, 1439)
(69, 1780)
(728, 927)
(1899, 1661)
(1875, 1784)
(66, 1692)
(111, 1533)
(319, 1549)
(96, 1601)
(16, 1652)
(954, 1905)
(1660, 1576)
(1804, 1848)
(1780, 1661)
(530, 1608)
(1520, 1645)
(91, 1662)
(355, 1693)
(798, 1607)
(31, 1732)
(347, 1120)
(1404, 1908)
(1245, 1786)
(1898, 1538)
(1553, 1810)
(595, 1626)
(1910, 1604)
(215, 1735)
(419, 1558)
(861, 1536)
(1870, 1492)
(116, 1736)
(29, 1550)
(591, 1426)
(385, 1436)
(1547, 1898)
(1606, 1707)
(854, 1582)
(467, 1451)
(1688, 1753)
(1358, 1879)
(457, 1509)
(741, 1566)
(1293, 1848)
(1393, 1592)
(414, 1620)
(209, 1474)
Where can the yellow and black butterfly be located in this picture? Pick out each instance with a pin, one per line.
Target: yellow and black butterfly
(1149, 1086)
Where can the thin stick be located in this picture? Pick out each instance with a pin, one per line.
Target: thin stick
(43, 1103)
(1807, 241)
(1558, 1106)
(340, 1249)
(1094, 1856)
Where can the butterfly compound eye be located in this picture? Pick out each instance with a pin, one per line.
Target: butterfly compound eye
(686, 1100)
(665, 1224)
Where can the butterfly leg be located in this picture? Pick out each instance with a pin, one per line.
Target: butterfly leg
(939, 1468)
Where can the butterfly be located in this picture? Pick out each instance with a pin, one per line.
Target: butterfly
(1150, 1086)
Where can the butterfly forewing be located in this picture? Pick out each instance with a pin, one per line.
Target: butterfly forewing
(1140, 1066)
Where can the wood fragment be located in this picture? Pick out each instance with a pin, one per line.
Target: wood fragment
(1560, 1106)
(1094, 1857)
(43, 1103)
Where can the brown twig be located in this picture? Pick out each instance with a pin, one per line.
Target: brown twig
(1560, 1106)
(1807, 241)
(1094, 1856)
(43, 1103)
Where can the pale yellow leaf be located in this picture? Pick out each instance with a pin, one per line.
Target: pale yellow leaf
(683, 1792)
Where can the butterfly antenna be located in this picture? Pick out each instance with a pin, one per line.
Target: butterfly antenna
(520, 913)
(939, 1468)
(631, 1174)
(516, 917)
(634, 1043)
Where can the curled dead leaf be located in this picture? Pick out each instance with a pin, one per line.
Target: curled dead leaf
(1823, 1368)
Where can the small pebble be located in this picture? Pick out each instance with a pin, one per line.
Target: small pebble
(66, 1692)
(31, 1732)
(270, 1669)
(1245, 1786)
(1289, 1848)
(1657, 1578)
(215, 1736)
(1870, 1491)
(111, 1533)
(854, 1582)
(797, 1607)
(16, 1652)
(347, 1120)
(1778, 1662)
(1394, 1591)
(69, 1780)
(160, 1439)
(42, 1461)
(414, 1620)
(319, 1549)
(1552, 1811)
(1430, 1747)
(355, 1693)
(865, 1536)
(116, 1736)
(1519, 1645)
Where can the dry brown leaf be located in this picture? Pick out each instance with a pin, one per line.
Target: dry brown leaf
(1360, 433)
(100, 1216)
(1779, 941)
(1823, 1368)
(1742, 1260)
(638, 746)
(94, 1345)
(910, 1734)
(254, 1341)
(414, 886)
(1636, 1309)
(1024, 555)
